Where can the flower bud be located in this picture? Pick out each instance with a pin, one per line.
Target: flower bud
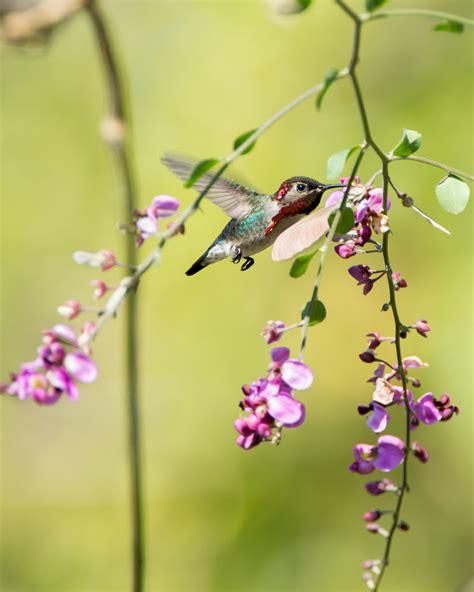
(371, 516)
(364, 409)
(70, 309)
(420, 452)
(367, 356)
(402, 525)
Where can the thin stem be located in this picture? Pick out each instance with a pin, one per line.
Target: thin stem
(444, 16)
(117, 135)
(324, 251)
(436, 164)
(398, 326)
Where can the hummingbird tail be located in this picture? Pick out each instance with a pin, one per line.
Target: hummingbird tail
(197, 266)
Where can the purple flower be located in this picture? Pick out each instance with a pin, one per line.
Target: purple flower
(362, 274)
(421, 327)
(346, 249)
(60, 380)
(81, 367)
(379, 487)
(386, 456)
(378, 420)
(270, 403)
(425, 409)
(420, 452)
(146, 222)
(273, 331)
(164, 206)
(398, 281)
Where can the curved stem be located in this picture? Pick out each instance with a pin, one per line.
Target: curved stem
(444, 16)
(324, 251)
(117, 136)
(436, 164)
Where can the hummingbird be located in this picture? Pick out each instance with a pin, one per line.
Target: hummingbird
(257, 219)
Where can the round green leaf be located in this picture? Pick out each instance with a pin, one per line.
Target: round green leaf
(449, 27)
(410, 142)
(337, 161)
(452, 194)
(372, 5)
(300, 265)
(316, 312)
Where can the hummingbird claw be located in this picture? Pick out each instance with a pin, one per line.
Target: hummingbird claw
(247, 263)
(238, 256)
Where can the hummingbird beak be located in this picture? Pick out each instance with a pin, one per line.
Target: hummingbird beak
(326, 187)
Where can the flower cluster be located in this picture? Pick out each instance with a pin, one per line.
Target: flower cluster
(390, 451)
(64, 357)
(269, 402)
(146, 221)
(59, 364)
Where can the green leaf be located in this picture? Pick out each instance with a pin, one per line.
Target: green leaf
(452, 194)
(198, 171)
(337, 161)
(346, 221)
(410, 142)
(300, 265)
(372, 5)
(330, 77)
(449, 26)
(316, 312)
(302, 5)
(241, 139)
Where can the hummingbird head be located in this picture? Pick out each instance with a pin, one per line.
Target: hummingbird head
(301, 190)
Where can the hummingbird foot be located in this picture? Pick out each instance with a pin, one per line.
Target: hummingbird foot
(247, 264)
(238, 256)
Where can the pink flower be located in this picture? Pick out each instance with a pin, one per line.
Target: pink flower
(273, 331)
(102, 259)
(70, 309)
(398, 281)
(100, 288)
(379, 487)
(81, 367)
(421, 327)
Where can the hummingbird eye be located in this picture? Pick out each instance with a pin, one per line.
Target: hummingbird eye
(300, 187)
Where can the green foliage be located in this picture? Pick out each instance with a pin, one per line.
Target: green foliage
(302, 5)
(449, 26)
(337, 161)
(242, 138)
(452, 194)
(300, 265)
(198, 171)
(372, 5)
(316, 312)
(330, 77)
(410, 142)
(346, 221)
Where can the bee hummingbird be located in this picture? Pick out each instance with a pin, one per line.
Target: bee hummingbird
(257, 219)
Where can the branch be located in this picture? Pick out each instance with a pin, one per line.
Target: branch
(434, 163)
(444, 16)
(115, 133)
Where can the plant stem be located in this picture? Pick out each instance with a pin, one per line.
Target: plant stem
(324, 251)
(443, 16)
(436, 164)
(118, 138)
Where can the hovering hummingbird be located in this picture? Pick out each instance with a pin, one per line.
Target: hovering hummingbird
(257, 219)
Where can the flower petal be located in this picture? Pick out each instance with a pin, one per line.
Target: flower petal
(378, 419)
(283, 408)
(390, 453)
(81, 367)
(280, 354)
(297, 375)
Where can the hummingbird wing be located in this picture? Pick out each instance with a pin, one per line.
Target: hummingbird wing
(298, 237)
(230, 196)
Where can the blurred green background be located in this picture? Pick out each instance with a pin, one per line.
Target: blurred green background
(217, 518)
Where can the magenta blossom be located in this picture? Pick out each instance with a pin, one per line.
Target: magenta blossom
(381, 486)
(270, 402)
(273, 331)
(421, 327)
(146, 221)
(385, 456)
(54, 372)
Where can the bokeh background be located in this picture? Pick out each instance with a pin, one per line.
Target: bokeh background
(217, 518)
